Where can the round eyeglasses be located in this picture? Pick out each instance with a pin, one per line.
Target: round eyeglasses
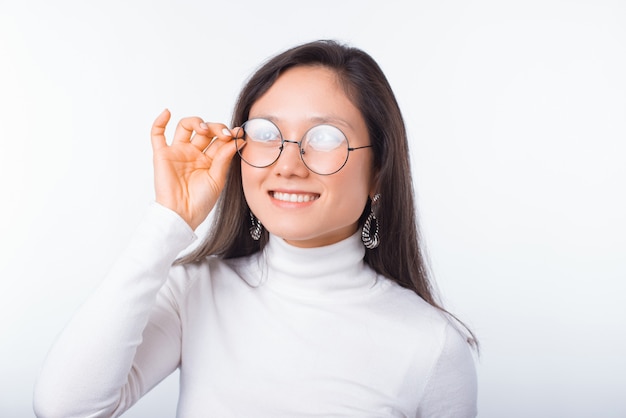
(324, 149)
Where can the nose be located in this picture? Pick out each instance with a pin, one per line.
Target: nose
(290, 160)
(287, 141)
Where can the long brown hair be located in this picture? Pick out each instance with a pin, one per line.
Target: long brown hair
(400, 256)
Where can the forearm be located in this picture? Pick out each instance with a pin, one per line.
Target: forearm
(89, 370)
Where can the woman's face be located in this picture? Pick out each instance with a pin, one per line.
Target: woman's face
(304, 208)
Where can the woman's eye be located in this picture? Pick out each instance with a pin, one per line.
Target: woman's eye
(324, 138)
(261, 131)
(265, 136)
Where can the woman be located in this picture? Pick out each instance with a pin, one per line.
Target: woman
(309, 297)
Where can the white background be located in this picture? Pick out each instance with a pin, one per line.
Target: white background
(517, 118)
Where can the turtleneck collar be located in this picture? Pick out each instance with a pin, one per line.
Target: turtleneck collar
(329, 271)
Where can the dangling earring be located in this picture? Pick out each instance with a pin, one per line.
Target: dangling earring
(369, 235)
(256, 228)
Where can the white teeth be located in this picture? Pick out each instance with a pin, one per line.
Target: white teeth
(293, 197)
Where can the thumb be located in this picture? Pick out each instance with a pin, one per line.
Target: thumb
(221, 161)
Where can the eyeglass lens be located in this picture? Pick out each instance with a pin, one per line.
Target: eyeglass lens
(323, 148)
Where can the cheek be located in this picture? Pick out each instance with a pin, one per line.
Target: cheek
(357, 178)
(249, 183)
(351, 191)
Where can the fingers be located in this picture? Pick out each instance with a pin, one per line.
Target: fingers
(186, 128)
(157, 133)
(202, 135)
(213, 132)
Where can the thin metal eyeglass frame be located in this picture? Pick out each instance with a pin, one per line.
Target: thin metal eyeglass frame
(299, 143)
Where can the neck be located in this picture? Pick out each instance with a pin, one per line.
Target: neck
(328, 271)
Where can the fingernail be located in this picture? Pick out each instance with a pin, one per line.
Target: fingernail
(204, 125)
(226, 132)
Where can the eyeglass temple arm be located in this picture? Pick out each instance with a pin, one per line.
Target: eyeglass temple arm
(355, 148)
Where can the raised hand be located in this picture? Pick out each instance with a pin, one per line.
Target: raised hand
(190, 173)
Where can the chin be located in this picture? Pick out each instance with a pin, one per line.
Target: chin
(310, 239)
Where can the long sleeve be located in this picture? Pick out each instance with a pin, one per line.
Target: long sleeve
(126, 337)
(451, 391)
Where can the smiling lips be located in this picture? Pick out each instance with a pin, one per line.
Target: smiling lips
(295, 197)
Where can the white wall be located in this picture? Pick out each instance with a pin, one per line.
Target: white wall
(517, 118)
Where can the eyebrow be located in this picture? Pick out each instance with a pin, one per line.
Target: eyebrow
(318, 120)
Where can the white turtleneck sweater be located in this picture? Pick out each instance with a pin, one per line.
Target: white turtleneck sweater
(288, 332)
